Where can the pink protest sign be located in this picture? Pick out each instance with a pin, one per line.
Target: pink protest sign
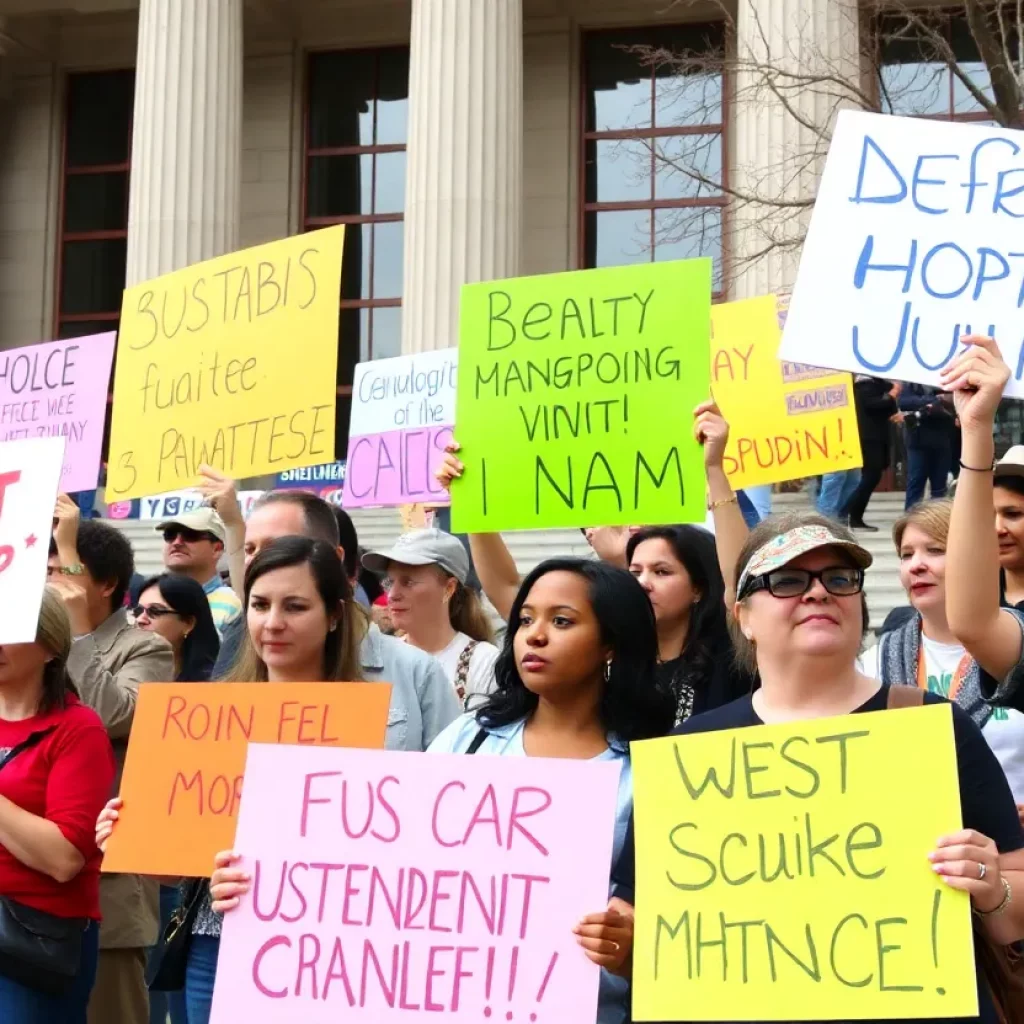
(402, 415)
(59, 389)
(390, 885)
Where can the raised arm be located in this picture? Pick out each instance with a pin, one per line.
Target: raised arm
(712, 431)
(221, 492)
(990, 634)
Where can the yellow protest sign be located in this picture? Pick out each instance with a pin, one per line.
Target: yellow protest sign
(786, 420)
(231, 362)
(782, 873)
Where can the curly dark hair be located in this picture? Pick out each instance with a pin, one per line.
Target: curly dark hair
(107, 555)
(633, 705)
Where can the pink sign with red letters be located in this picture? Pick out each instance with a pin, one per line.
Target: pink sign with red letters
(389, 886)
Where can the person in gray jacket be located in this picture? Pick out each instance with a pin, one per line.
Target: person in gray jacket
(423, 702)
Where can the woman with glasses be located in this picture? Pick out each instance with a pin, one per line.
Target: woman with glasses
(429, 604)
(177, 608)
(925, 653)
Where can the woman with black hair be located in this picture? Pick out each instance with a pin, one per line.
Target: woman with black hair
(678, 568)
(177, 608)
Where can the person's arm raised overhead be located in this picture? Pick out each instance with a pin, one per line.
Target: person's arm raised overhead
(221, 492)
(991, 635)
(712, 431)
(494, 564)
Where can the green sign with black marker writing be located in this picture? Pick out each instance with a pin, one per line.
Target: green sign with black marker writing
(576, 395)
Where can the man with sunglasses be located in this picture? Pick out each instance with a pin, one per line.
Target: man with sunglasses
(193, 545)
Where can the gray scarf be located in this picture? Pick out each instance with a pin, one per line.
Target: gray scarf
(897, 658)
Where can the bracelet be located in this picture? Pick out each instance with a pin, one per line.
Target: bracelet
(712, 505)
(1007, 899)
(975, 469)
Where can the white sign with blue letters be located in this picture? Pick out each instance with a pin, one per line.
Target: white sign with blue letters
(917, 239)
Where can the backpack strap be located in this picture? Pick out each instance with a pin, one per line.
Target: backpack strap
(904, 697)
(462, 670)
(478, 741)
(27, 744)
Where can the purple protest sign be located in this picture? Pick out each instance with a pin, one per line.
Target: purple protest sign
(387, 885)
(59, 389)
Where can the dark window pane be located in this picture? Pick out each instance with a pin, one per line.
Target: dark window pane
(355, 265)
(393, 98)
(618, 170)
(339, 186)
(353, 342)
(388, 254)
(688, 166)
(688, 87)
(96, 202)
(81, 328)
(99, 118)
(913, 79)
(682, 234)
(341, 90)
(390, 187)
(387, 332)
(618, 86)
(341, 422)
(616, 238)
(93, 276)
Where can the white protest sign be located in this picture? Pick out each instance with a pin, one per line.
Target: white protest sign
(917, 239)
(175, 503)
(30, 472)
(402, 415)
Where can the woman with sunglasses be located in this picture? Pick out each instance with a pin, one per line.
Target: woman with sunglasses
(800, 618)
(177, 608)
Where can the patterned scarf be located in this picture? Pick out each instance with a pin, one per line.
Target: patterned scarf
(898, 653)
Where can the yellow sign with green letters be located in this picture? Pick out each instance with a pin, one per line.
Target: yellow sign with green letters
(782, 873)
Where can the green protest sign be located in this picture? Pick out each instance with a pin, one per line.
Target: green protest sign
(575, 398)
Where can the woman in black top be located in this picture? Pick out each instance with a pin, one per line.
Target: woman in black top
(800, 615)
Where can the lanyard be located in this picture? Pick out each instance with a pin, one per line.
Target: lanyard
(962, 668)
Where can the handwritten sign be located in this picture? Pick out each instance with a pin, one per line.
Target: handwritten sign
(576, 395)
(786, 420)
(59, 389)
(30, 473)
(231, 362)
(393, 885)
(402, 415)
(184, 768)
(774, 884)
(914, 243)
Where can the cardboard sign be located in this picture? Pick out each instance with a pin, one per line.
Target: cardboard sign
(402, 415)
(59, 389)
(393, 885)
(231, 362)
(782, 873)
(915, 242)
(786, 420)
(186, 756)
(29, 478)
(576, 396)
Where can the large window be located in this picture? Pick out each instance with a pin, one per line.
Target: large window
(653, 148)
(356, 137)
(93, 238)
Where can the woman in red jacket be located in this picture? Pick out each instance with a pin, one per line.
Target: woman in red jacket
(56, 770)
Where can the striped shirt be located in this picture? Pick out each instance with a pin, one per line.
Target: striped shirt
(225, 605)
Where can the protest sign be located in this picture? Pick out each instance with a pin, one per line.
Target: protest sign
(59, 389)
(186, 756)
(576, 395)
(392, 885)
(175, 503)
(786, 420)
(30, 473)
(402, 415)
(782, 873)
(231, 362)
(914, 243)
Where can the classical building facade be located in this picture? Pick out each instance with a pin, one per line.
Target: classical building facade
(459, 140)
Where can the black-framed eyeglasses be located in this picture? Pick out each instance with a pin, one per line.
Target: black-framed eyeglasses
(187, 535)
(838, 580)
(152, 611)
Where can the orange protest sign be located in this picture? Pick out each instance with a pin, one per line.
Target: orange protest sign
(186, 757)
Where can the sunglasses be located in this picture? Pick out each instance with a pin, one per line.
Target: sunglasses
(151, 611)
(838, 580)
(187, 535)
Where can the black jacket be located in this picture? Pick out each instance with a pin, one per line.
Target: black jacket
(929, 416)
(875, 406)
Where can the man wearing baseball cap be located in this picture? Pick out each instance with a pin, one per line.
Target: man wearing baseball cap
(193, 545)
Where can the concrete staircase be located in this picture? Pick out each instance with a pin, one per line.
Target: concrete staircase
(379, 527)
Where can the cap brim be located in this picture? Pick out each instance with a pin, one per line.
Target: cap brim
(378, 561)
(1008, 469)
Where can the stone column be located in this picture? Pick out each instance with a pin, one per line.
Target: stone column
(778, 121)
(187, 135)
(463, 190)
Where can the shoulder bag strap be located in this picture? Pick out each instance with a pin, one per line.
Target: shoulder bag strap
(478, 742)
(904, 697)
(26, 744)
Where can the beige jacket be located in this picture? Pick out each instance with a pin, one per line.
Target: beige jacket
(107, 666)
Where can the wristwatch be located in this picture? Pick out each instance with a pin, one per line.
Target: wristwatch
(72, 570)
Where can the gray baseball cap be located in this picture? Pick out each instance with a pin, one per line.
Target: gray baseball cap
(422, 547)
